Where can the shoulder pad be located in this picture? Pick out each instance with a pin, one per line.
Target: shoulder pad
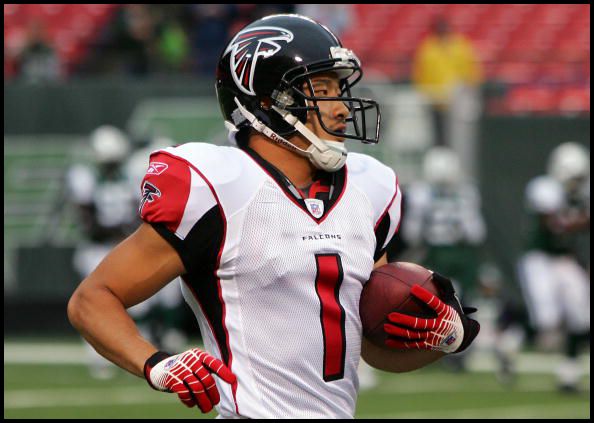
(376, 180)
(227, 173)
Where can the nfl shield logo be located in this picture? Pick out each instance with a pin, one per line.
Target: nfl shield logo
(449, 340)
(315, 207)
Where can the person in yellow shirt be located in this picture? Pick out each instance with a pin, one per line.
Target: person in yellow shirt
(444, 62)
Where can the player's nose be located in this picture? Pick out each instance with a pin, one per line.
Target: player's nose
(341, 111)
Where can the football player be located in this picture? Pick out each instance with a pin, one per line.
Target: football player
(444, 219)
(555, 286)
(274, 241)
(105, 208)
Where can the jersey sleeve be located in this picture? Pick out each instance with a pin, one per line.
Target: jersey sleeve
(165, 191)
(179, 203)
(379, 184)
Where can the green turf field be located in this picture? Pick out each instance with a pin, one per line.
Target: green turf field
(66, 391)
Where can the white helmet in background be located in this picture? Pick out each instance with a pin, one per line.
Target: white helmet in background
(137, 165)
(442, 166)
(109, 144)
(160, 142)
(568, 161)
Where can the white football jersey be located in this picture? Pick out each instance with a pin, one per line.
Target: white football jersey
(443, 217)
(273, 277)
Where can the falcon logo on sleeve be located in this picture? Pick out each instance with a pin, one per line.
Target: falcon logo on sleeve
(248, 46)
(149, 192)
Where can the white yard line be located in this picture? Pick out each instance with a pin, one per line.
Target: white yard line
(82, 397)
(515, 411)
(440, 385)
(62, 353)
(44, 353)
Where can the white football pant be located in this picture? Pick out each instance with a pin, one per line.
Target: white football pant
(556, 290)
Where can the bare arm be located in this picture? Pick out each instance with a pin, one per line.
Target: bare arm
(395, 361)
(133, 271)
(567, 223)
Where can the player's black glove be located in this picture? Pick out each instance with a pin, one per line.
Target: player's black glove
(452, 331)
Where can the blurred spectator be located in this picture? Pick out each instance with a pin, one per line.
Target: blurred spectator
(127, 45)
(209, 34)
(555, 285)
(136, 40)
(36, 60)
(212, 25)
(141, 40)
(446, 70)
(145, 39)
(173, 45)
(337, 17)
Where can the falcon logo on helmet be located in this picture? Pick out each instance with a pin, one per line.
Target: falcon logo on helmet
(248, 46)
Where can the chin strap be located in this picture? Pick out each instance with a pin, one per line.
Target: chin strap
(324, 154)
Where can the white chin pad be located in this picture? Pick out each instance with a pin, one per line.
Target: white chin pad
(330, 160)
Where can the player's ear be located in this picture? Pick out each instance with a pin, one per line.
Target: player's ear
(266, 103)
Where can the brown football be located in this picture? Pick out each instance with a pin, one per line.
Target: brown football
(387, 290)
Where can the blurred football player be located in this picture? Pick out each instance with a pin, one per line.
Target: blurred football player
(106, 210)
(445, 225)
(444, 219)
(274, 241)
(555, 286)
(501, 316)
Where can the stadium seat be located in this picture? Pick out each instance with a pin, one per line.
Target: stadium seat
(574, 100)
(69, 27)
(514, 72)
(559, 73)
(516, 43)
(537, 100)
(528, 33)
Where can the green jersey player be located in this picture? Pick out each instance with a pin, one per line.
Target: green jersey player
(555, 286)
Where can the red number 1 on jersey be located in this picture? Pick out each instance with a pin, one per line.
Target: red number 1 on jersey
(328, 280)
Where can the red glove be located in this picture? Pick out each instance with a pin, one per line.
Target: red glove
(451, 331)
(189, 375)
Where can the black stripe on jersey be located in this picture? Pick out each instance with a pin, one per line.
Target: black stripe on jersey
(342, 319)
(199, 252)
(380, 237)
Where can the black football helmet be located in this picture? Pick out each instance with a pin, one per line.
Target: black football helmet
(262, 71)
